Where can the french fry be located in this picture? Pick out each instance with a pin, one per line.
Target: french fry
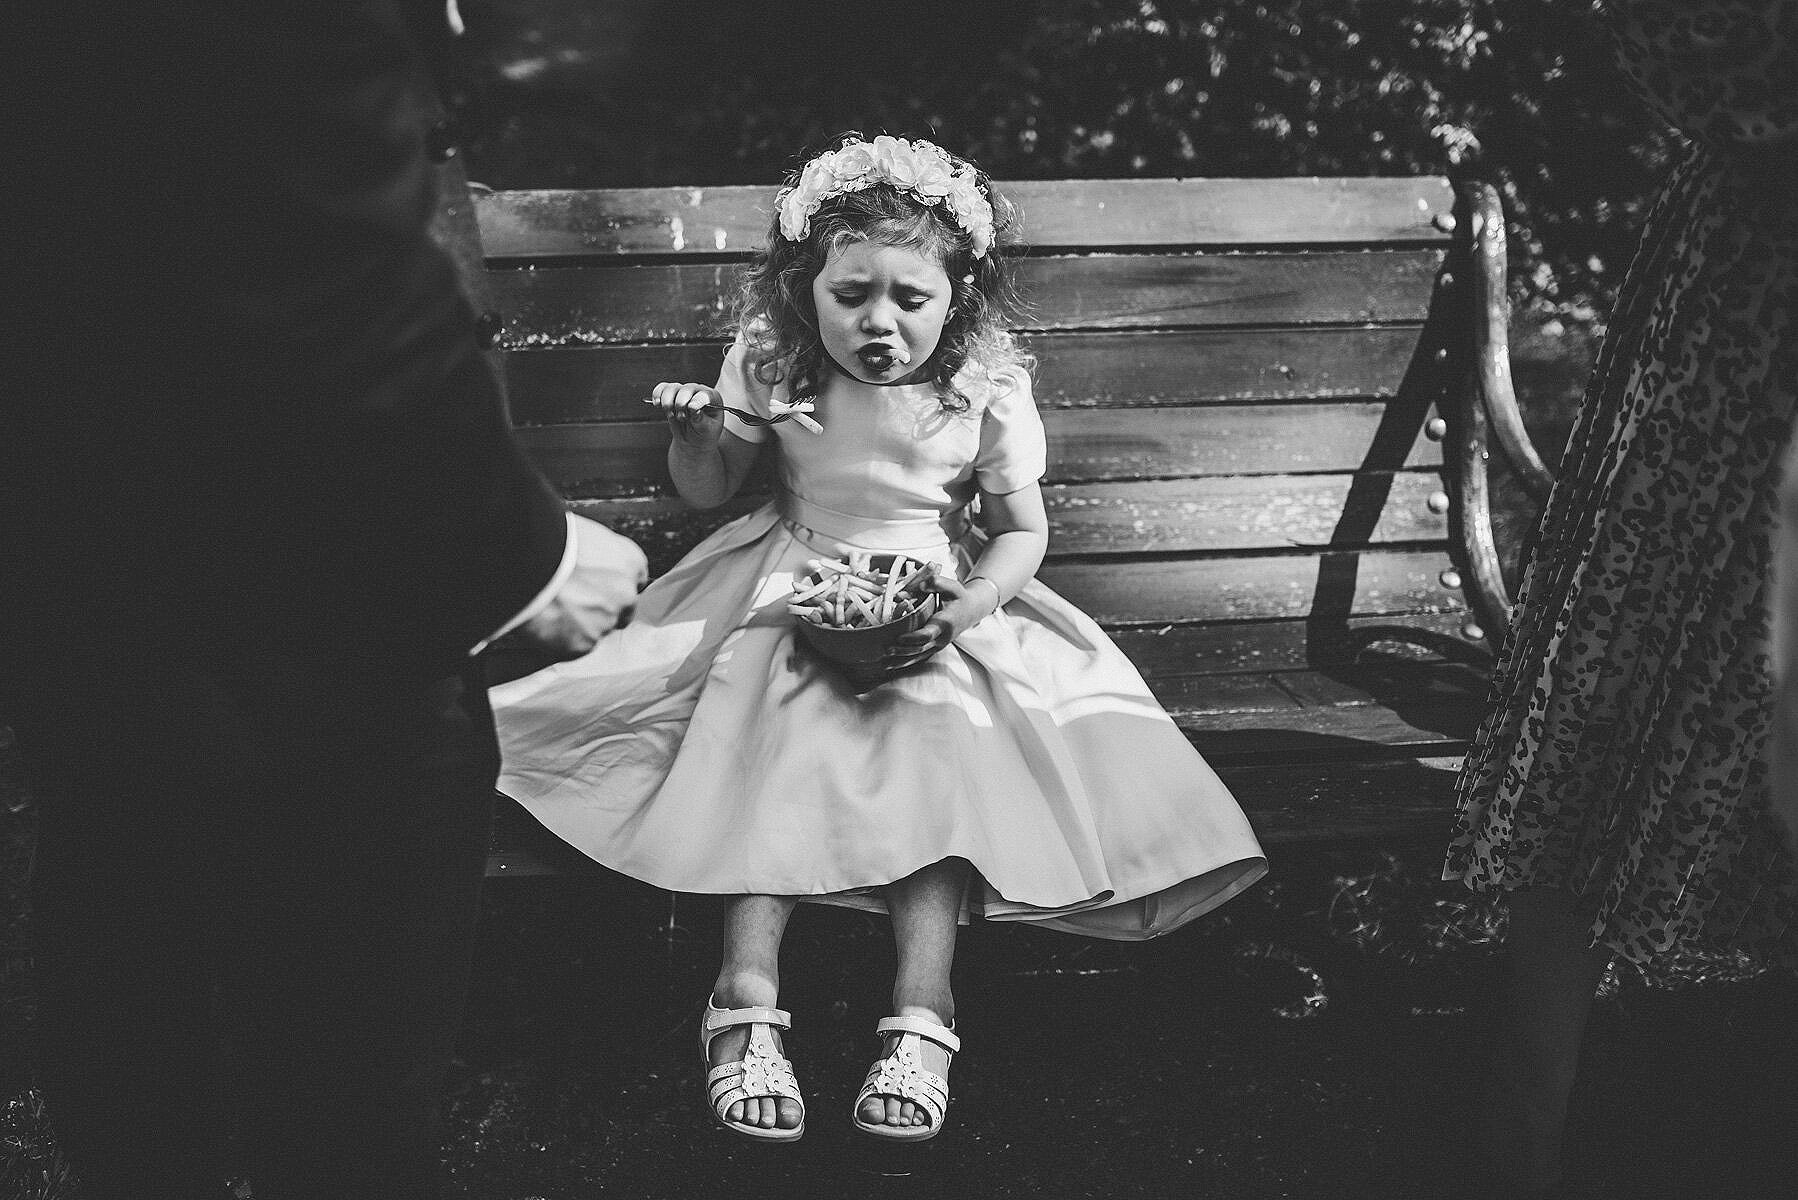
(863, 610)
(811, 590)
(891, 590)
(923, 572)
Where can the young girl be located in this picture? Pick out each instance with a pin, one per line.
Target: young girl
(1013, 765)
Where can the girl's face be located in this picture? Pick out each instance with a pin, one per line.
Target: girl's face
(881, 310)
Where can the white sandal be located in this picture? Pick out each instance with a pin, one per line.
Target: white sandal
(902, 1074)
(762, 1071)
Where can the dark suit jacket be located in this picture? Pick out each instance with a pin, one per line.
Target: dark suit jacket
(244, 405)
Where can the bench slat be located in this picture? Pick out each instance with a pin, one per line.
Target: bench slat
(1241, 513)
(1159, 592)
(692, 301)
(1164, 516)
(1235, 440)
(1074, 370)
(1192, 649)
(1335, 802)
(1149, 516)
(595, 461)
(1120, 370)
(1361, 732)
(1123, 212)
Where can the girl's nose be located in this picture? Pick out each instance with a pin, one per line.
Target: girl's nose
(878, 320)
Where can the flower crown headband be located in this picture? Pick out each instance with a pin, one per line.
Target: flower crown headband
(922, 170)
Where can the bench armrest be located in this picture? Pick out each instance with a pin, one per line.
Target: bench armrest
(1491, 340)
(1488, 412)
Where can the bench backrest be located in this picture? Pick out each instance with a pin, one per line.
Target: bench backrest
(1240, 380)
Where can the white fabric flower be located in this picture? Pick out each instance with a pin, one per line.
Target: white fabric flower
(894, 160)
(852, 161)
(922, 170)
(935, 180)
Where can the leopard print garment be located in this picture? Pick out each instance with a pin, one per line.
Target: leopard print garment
(1624, 758)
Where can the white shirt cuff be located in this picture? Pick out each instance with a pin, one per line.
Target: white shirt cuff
(565, 568)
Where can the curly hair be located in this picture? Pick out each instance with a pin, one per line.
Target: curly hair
(778, 318)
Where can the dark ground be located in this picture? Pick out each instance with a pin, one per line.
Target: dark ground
(1317, 1038)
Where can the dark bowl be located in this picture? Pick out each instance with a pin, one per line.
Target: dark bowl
(860, 653)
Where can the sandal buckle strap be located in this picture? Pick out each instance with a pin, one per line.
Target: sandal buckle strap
(719, 1019)
(942, 1036)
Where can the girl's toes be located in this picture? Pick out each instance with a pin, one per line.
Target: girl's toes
(873, 1111)
(787, 1114)
(896, 1112)
(770, 1113)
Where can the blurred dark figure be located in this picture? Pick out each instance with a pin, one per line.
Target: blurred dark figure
(1620, 788)
(261, 503)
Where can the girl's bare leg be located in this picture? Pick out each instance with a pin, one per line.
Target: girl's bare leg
(1553, 975)
(749, 976)
(924, 907)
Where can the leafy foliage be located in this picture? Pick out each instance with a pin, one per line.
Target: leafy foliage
(674, 92)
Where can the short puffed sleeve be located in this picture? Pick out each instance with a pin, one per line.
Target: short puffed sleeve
(738, 385)
(1014, 452)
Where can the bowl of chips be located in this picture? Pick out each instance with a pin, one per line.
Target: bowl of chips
(851, 610)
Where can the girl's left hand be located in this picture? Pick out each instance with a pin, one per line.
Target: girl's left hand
(963, 607)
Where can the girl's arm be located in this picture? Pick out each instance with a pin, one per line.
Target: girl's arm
(707, 461)
(1017, 526)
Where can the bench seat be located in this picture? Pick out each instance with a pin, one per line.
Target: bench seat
(1270, 405)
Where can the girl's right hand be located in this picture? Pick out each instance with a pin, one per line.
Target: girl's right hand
(690, 415)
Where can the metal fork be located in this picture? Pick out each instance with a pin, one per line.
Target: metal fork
(744, 415)
(750, 418)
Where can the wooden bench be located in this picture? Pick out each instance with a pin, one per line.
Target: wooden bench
(1269, 404)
